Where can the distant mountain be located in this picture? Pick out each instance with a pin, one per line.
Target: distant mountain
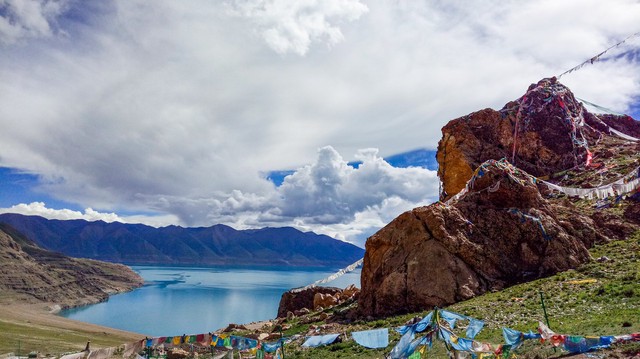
(216, 245)
(30, 273)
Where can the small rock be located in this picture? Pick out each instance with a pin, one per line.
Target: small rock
(302, 311)
(232, 327)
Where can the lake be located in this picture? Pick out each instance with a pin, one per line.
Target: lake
(188, 300)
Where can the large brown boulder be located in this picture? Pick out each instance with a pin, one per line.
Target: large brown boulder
(298, 301)
(501, 232)
(294, 300)
(549, 129)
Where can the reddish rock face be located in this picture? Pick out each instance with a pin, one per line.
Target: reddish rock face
(500, 233)
(501, 230)
(623, 123)
(548, 128)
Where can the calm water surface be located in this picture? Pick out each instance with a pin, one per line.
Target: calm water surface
(186, 300)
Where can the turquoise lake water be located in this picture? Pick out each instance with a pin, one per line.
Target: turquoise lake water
(186, 300)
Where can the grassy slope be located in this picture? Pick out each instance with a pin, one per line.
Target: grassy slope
(610, 305)
(28, 327)
(24, 338)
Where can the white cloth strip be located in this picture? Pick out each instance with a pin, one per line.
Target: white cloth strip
(602, 192)
(332, 277)
(622, 135)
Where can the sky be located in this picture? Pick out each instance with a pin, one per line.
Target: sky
(179, 112)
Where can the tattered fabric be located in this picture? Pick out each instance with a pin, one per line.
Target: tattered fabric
(372, 339)
(318, 340)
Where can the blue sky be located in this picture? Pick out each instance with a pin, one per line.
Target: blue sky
(170, 112)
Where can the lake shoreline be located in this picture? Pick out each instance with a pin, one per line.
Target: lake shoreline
(31, 325)
(178, 300)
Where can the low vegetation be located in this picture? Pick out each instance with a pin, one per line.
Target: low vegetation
(601, 297)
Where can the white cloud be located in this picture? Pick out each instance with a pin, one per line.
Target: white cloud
(21, 19)
(177, 107)
(40, 209)
(91, 215)
(291, 26)
(329, 191)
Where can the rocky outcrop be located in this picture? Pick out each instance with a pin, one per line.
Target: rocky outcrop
(321, 301)
(32, 274)
(314, 298)
(543, 132)
(293, 301)
(622, 123)
(498, 224)
(500, 233)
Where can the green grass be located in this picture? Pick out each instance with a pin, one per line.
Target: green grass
(607, 304)
(24, 338)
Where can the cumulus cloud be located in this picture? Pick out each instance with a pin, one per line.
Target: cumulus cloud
(20, 19)
(292, 25)
(328, 196)
(330, 191)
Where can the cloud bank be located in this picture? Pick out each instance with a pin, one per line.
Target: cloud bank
(178, 108)
(89, 214)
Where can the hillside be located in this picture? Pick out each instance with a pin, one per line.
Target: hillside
(216, 245)
(527, 190)
(597, 298)
(36, 283)
(34, 275)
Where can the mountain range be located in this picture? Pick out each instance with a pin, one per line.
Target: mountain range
(173, 245)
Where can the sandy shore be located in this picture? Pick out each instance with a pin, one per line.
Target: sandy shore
(28, 327)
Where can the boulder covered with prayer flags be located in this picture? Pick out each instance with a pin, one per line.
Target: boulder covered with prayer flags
(545, 131)
(526, 191)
